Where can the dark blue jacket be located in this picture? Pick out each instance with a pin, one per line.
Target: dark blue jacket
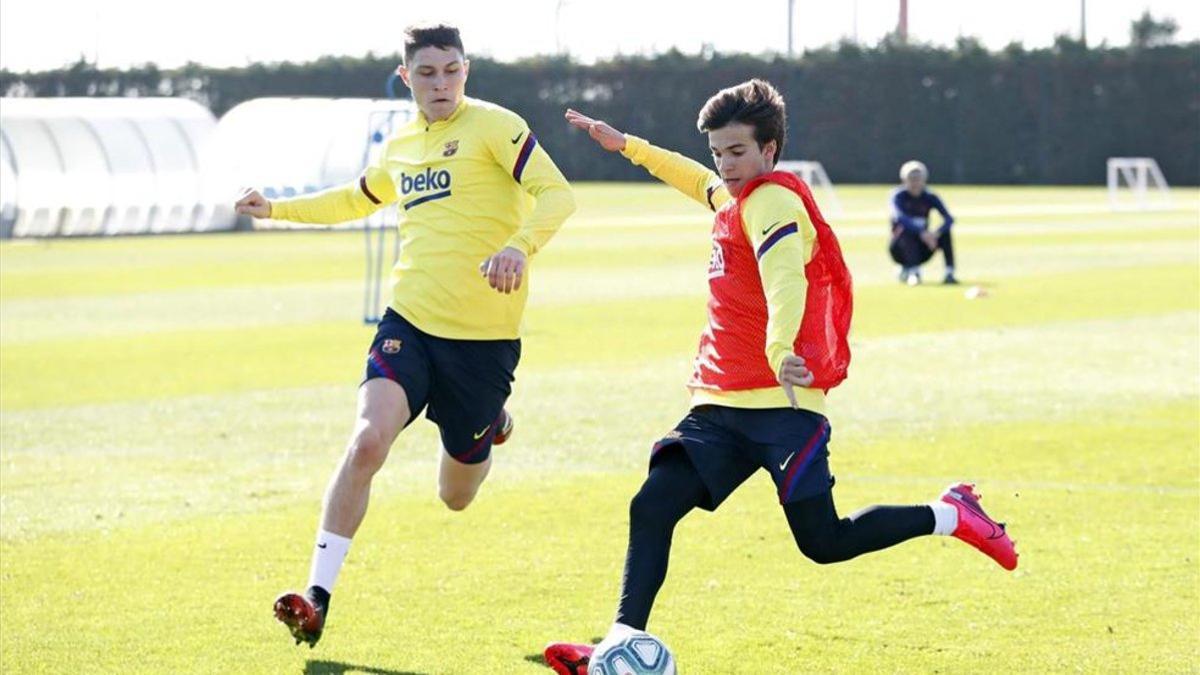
(912, 213)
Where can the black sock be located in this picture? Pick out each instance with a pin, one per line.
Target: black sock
(319, 597)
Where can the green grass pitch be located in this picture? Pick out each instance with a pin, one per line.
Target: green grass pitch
(172, 408)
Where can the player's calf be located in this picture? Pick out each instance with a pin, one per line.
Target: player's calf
(456, 500)
(459, 483)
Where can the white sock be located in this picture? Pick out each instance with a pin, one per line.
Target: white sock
(618, 632)
(328, 555)
(945, 518)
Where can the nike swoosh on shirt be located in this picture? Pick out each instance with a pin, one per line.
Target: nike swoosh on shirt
(517, 137)
(772, 226)
(480, 434)
(322, 545)
(784, 464)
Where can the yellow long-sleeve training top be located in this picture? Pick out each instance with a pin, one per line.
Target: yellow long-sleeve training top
(467, 187)
(781, 268)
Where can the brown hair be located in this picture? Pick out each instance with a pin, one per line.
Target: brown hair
(756, 103)
(440, 36)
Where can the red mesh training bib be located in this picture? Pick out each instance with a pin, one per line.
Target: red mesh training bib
(731, 353)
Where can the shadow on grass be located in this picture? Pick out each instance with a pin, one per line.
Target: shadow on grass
(339, 668)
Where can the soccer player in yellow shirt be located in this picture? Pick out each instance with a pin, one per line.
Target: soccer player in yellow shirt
(478, 196)
(776, 341)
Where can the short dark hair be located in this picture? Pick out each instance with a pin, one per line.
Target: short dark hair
(439, 35)
(756, 103)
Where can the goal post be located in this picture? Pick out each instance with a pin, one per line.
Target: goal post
(1136, 183)
(814, 174)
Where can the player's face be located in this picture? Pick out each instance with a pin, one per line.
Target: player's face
(737, 157)
(914, 182)
(437, 78)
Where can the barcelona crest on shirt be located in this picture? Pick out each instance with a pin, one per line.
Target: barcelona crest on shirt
(450, 149)
(716, 262)
(390, 346)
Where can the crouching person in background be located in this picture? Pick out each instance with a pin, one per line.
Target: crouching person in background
(913, 243)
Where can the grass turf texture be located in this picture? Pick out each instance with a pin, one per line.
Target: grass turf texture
(172, 408)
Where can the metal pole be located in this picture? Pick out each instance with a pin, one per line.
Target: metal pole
(557, 32)
(791, 13)
(1083, 22)
(902, 24)
(855, 22)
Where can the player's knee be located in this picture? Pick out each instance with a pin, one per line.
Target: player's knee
(456, 499)
(367, 451)
(646, 511)
(819, 550)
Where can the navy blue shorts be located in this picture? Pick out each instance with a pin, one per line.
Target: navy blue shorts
(464, 383)
(727, 445)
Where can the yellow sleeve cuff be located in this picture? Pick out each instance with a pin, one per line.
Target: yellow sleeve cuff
(377, 186)
(635, 148)
(518, 243)
(776, 353)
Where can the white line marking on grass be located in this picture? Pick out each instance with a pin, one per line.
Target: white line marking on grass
(858, 223)
(992, 484)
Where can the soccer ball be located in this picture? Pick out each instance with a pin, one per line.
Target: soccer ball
(637, 653)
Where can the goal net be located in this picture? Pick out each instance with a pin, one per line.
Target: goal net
(814, 174)
(1136, 183)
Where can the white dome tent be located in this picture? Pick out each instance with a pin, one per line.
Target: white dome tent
(91, 166)
(8, 190)
(291, 146)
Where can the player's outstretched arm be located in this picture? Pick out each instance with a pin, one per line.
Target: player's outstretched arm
(352, 201)
(689, 177)
(605, 135)
(253, 204)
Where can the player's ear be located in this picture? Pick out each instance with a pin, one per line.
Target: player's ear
(402, 71)
(466, 68)
(769, 149)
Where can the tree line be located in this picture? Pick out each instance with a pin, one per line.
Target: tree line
(1013, 116)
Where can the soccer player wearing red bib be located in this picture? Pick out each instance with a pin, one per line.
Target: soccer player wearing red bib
(779, 312)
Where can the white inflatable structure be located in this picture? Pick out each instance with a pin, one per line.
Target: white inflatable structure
(292, 146)
(96, 166)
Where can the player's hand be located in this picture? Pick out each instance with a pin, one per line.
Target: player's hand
(609, 138)
(504, 270)
(252, 203)
(793, 373)
(930, 239)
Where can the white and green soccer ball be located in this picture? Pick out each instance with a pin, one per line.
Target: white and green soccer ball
(635, 653)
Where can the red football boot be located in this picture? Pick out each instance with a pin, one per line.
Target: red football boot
(977, 529)
(301, 616)
(567, 658)
(503, 429)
